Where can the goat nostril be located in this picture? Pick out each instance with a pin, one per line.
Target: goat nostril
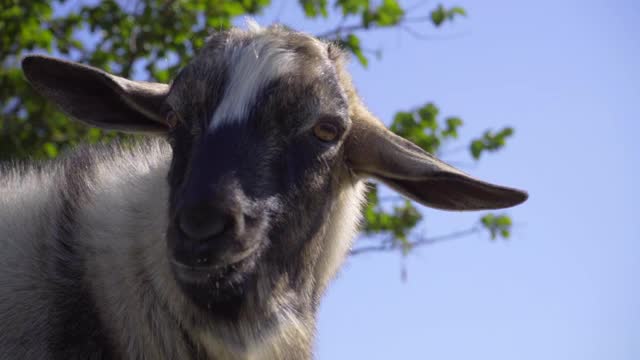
(200, 227)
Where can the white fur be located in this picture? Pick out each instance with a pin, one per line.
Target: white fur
(252, 25)
(341, 229)
(251, 67)
(26, 200)
(124, 222)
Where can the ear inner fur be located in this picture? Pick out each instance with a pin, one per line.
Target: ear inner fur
(96, 97)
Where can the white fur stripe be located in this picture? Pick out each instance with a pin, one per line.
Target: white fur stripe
(251, 68)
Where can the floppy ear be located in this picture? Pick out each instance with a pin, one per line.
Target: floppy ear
(96, 97)
(372, 150)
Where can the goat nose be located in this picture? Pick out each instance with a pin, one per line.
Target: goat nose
(202, 223)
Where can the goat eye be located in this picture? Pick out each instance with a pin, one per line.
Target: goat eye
(172, 119)
(326, 131)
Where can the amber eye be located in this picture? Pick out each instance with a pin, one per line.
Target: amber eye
(326, 131)
(172, 119)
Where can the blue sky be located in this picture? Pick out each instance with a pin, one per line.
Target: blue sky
(566, 75)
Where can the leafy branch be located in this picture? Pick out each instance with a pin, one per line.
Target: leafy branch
(391, 245)
(498, 226)
(388, 14)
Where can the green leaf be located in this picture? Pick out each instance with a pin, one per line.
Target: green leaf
(497, 225)
(351, 7)
(438, 15)
(398, 222)
(422, 127)
(456, 10)
(451, 130)
(233, 8)
(389, 13)
(477, 146)
(50, 149)
(352, 43)
(313, 8)
(428, 114)
(490, 141)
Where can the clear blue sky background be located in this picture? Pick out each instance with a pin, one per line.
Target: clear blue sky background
(566, 75)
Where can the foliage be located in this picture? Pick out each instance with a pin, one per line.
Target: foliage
(151, 39)
(498, 225)
(422, 127)
(440, 14)
(490, 142)
(399, 222)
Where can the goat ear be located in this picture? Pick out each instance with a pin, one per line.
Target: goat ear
(374, 151)
(96, 97)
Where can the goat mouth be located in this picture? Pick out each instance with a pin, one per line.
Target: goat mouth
(219, 290)
(220, 275)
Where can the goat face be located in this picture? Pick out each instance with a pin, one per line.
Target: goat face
(268, 136)
(257, 159)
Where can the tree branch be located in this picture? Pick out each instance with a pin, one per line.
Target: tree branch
(403, 24)
(409, 30)
(338, 30)
(343, 28)
(416, 243)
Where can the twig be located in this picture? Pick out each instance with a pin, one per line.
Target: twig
(420, 242)
(417, 19)
(344, 28)
(357, 27)
(409, 30)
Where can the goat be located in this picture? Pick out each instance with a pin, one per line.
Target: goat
(215, 237)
